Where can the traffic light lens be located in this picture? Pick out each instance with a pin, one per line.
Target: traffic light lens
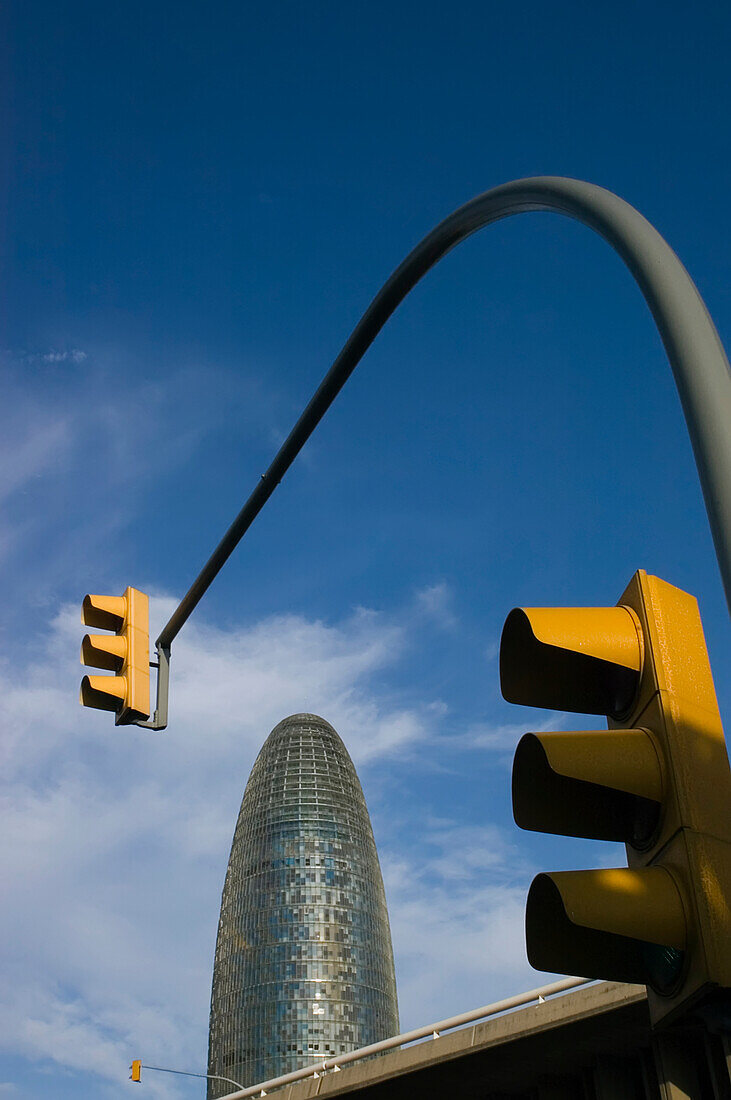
(664, 966)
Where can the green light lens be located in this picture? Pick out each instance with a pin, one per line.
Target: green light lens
(664, 967)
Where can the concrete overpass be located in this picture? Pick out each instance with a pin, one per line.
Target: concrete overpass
(593, 1043)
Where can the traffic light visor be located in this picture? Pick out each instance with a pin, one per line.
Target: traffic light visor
(589, 783)
(618, 924)
(104, 612)
(104, 651)
(103, 692)
(587, 660)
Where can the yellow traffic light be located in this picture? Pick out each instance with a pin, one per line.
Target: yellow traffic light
(657, 779)
(135, 1075)
(126, 653)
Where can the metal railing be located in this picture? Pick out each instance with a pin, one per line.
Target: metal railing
(430, 1031)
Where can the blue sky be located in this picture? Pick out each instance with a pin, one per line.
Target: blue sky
(201, 201)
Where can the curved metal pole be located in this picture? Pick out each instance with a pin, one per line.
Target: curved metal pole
(184, 1073)
(696, 356)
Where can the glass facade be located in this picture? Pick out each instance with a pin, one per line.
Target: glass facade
(304, 964)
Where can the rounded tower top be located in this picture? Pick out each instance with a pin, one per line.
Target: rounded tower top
(304, 778)
(298, 722)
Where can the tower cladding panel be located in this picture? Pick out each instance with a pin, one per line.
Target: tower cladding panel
(304, 964)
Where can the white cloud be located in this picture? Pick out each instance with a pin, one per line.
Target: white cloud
(434, 602)
(31, 443)
(503, 738)
(73, 356)
(119, 837)
(81, 449)
(457, 922)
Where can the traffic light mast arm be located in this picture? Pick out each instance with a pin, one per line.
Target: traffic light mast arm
(692, 344)
(185, 1073)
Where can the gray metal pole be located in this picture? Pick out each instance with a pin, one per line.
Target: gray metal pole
(696, 356)
(184, 1073)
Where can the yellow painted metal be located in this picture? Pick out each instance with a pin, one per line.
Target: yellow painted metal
(104, 651)
(606, 633)
(625, 760)
(126, 652)
(589, 783)
(136, 1068)
(710, 858)
(640, 904)
(658, 778)
(104, 612)
(677, 702)
(103, 692)
(617, 924)
(137, 664)
(571, 658)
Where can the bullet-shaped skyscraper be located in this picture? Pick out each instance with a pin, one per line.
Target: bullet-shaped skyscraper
(304, 964)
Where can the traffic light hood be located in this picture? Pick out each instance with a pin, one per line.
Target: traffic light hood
(587, 660)
(104, 612)
(618, 924)
(588, 784)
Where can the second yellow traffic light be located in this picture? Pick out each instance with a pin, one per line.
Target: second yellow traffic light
(657, 779)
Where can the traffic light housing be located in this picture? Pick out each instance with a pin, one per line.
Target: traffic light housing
(125, 652)
(136, 1068)
(658, 779)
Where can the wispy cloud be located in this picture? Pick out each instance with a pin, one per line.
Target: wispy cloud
(119, 837)
(435, 603)
(73, 356)
(504, 738)
(32, 443)
(80, 449)
(457, 920)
